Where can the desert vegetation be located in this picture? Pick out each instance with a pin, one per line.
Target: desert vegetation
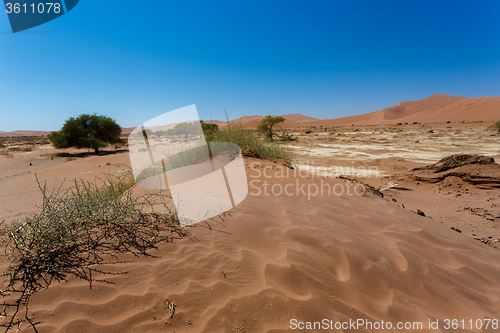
(495, 126)
(8, 146)
(250, 143)
(75, 232)
(267, 124)
(87, 131)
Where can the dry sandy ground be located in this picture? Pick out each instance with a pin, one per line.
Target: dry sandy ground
(377, 155)
(281, 257)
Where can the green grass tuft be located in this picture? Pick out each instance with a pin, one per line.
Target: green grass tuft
(495, 126)
(243, 137)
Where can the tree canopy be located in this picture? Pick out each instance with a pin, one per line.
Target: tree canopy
(87, 131)
(267, 125)
(210, 130)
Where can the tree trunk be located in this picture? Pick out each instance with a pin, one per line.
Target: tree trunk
(271, 133)
(96, 150)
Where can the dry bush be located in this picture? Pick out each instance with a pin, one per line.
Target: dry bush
(74, 233)
(243, 137)
(396, 167)
(370, 162)
(42, 141)
(495, 126)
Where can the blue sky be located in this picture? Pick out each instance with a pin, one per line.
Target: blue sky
(134, 60)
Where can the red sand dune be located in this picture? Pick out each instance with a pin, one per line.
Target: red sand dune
(279, 257)
(292, 120)
(435, 108)
(253, 122)
(218, 122)
(299, 118)
(404, 109)
(286, 124)
(468, 109)
(287, 257)
(23, 133)
(127, 130)
(438, 108)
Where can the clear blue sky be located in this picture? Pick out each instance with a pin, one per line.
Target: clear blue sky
(133, 60)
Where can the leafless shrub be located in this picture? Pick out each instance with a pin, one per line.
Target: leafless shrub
(74, 233)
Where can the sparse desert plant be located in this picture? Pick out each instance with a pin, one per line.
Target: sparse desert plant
(399, 123)
(495, 126)
(448, 122)
(87, 131)
(431, 131)
(209, 130)
(415, 123)
(42, 141)
(21, 149)
(267, 124)
(397, 167)
(243, 137)
(74, 233)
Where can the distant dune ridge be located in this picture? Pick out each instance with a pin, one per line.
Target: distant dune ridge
(23, 133)
(437, 108)
(293, 120)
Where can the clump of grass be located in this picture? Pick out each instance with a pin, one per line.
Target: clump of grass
(75, 231)
(495, 126)
(397, 167)
(243, 137)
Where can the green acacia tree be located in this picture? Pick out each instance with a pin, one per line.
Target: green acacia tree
(210, 130)
(87, 131)
(267, 124)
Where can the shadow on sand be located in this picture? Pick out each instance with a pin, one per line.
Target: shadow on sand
(91, 153)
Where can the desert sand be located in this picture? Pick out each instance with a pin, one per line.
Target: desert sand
(276, 258)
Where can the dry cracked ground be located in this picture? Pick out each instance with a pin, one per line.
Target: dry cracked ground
(384, 157)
